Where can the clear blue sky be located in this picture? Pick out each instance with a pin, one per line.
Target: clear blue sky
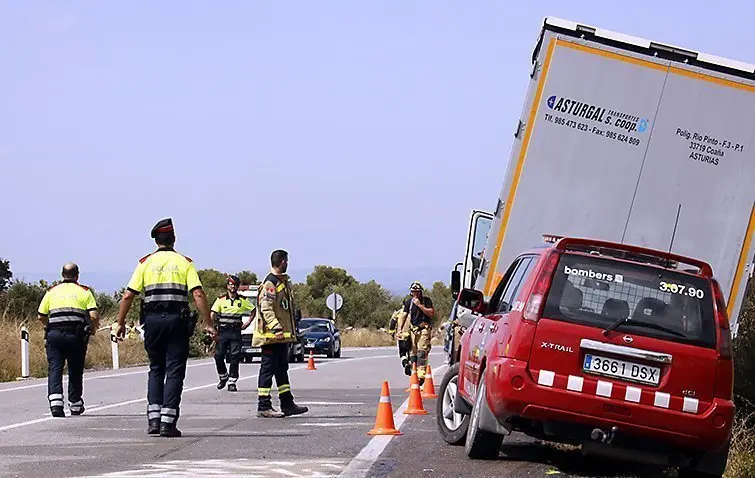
(339, 130)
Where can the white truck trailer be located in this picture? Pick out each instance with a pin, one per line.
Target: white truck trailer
(619, 137)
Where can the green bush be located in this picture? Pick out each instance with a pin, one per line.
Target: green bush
(20, 301)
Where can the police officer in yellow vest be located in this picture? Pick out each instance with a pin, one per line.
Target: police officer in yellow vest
(66, 311)
(274, 330)
(227, 313)
(166, 278)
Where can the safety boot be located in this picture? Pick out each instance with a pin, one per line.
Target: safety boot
(154, 427)
(232, 387)
(407, 366)
(294, 410)
(222, 382)
(169, 430)
(57, 412)
(272, 413)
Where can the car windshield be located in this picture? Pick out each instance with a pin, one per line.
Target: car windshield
(643, 299)
(313, 326)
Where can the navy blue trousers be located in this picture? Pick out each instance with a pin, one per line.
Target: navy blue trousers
(64, 346)
(229, 342)
(166, 340)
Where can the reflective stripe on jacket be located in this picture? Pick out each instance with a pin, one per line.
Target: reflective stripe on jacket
(275, 306)
(67, 304)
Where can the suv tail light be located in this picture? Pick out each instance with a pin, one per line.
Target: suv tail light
(722, 320)
(725, 373)
(534, 308)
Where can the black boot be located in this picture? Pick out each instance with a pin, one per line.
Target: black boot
(232, 387)
(222, 382)
(407, 366)
(154, 427)
(169, 430)
(293, 409)
(57, 412)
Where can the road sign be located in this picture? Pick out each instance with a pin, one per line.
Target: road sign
(334, 302)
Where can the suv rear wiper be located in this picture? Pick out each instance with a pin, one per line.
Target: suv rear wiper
(650, 325)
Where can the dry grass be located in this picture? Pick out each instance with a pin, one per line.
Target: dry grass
(742, 455)
(363, 337)
(99, 355)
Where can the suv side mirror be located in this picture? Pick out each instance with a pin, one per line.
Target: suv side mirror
(473, 300)
(455, 283)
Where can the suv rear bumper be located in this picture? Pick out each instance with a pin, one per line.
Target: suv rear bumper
(513, 393)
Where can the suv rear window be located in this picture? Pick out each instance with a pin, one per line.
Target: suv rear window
(596, 291)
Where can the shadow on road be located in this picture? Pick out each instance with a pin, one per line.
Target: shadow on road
(572, 462)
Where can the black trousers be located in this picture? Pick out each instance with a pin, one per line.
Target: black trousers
(274, 364)
(229, 342)
(166, 340)
(403, 348)
(65, 346)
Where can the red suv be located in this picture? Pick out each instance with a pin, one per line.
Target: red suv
(622, 349)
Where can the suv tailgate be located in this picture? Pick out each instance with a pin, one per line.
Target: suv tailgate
(660, 351)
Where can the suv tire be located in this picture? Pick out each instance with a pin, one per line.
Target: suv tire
(481, 444)
(711, 465)
(337, 353)
(447, 418)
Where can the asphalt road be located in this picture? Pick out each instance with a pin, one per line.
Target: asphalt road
(222, 436)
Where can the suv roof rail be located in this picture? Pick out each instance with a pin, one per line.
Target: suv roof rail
(630, 252)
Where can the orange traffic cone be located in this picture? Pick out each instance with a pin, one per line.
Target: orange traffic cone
(428, 389)
(415, 398)
(384, 420)
(311, 364)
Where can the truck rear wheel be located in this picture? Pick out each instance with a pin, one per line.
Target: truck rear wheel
(451, 425)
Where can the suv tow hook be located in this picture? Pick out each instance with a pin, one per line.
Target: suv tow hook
(604, 437)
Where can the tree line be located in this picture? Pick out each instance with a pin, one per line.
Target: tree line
(366, 304)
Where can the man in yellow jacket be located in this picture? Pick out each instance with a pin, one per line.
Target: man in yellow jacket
(401, 336)
(274, 329)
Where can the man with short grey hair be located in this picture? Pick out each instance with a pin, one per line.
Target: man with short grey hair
(69, 313)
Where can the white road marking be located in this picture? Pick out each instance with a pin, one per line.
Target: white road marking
(199, 363)
(330, 403)
(360, 465)
(234, 467)
(99, 377)
(192, 389)
(335, 425)
(284, 472)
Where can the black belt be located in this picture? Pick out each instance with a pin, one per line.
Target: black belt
(66, 327)
(166, 307)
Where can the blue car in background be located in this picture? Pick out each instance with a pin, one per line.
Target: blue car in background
(320, 336)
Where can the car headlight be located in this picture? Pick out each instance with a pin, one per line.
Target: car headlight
(326, 339)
